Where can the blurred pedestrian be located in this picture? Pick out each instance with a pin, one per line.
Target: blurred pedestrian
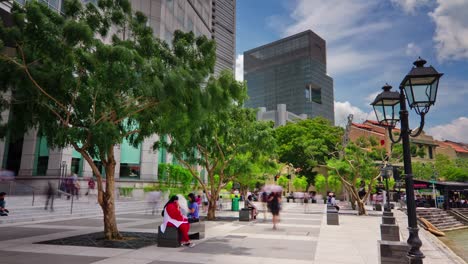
(274, 201)
(3, 210)
(50, 191)
(264, 200)
(205, 201)
(306, 202)
(76, 186)
(153, 200)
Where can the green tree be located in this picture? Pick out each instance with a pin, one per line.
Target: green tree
(334, 184)
(355, 165)
(307, 143)
(300, 183)
(225, 143)
(283, 181)
(83, 92)
(320, 183)
(254, 171)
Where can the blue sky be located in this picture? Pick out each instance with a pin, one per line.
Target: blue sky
(370, 43)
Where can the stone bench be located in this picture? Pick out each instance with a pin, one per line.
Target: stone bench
(171, 237)
(197, 230)
(332, 216)
(244, 214)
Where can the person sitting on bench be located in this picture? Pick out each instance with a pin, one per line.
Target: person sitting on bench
(249, 204)
(193, 215)
(172, 217)
(3, 210)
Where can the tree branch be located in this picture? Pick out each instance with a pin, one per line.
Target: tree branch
(26, 69)
(148, 105)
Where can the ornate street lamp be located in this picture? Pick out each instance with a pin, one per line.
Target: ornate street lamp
(386, 173)
(420, 87)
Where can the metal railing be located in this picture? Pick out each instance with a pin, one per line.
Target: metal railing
(68, 194)
(12, 189)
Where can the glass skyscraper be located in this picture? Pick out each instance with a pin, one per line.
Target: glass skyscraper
(291, 71)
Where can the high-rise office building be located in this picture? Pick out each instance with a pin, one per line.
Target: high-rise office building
(291, 71)
(215, 19)
(224, 33)
(31, 156)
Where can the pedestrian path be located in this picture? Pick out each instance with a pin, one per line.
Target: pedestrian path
(301, 238)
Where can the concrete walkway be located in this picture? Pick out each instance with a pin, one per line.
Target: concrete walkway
(301, 238)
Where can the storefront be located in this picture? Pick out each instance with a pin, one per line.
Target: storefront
(446, 194)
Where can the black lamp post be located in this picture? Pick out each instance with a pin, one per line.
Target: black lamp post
(386, 172)
(420, 87)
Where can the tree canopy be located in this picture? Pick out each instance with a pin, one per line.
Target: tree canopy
(95, 75)
(308, 143)
(444, 168)
(226, 143)
(354, 166)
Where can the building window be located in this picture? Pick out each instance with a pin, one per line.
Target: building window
(100, 168)
(189, 24)
(168, 37)
(42, 156)
(180, 14)
(170, 5)
(129, 170)
(313, 94)
(130, 157)
(430, 153)
(317, 95)
(42, 163)
(162, 152)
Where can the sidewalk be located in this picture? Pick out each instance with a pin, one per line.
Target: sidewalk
(302, 238)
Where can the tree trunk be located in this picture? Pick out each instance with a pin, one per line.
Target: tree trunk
(211, 209)
(108, 206)
(361, 208)
(352, 201)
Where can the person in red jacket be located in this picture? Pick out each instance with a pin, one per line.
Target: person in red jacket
(173, 217)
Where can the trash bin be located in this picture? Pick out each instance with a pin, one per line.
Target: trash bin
(235, 204)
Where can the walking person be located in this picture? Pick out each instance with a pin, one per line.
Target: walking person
(153, 200)
(306, 202)
(50, 197)
(274, 200)
(91, 189)
(205, 202)
(264, 199)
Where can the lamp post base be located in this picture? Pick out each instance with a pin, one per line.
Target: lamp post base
(415, 255)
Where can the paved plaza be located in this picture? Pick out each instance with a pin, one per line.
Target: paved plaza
(301, 238)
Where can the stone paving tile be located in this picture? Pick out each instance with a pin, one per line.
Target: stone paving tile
(84, 222)
(13, 257)
(153, 226)
(172, 262)
(282, 230)
(268, 248)
(8, 233)
(140, 216)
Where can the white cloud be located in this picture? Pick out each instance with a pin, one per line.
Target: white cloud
(240, 67)
(410, 6)
(344, 27)
(455, 131)
(371, 97)
(344, 109)
(451, 33)
(413, 50)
